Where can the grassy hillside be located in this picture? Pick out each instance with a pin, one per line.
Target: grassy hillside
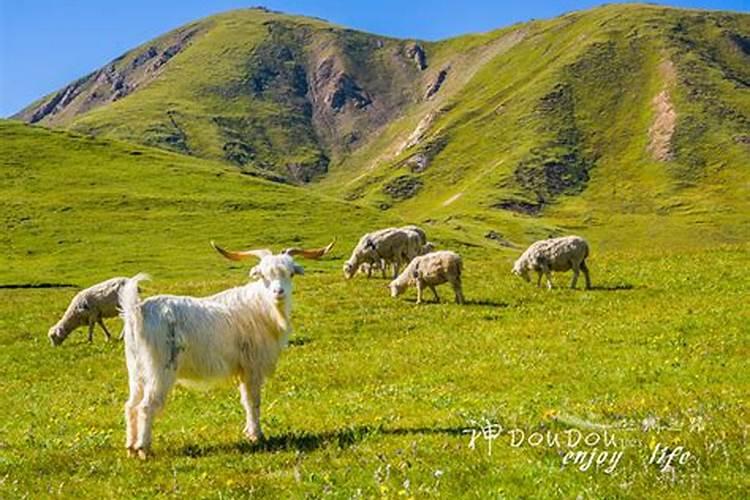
(616, 115)
(374, 395)
(632, 116)
(250, 87)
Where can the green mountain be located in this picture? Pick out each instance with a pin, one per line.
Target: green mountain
(592, 117)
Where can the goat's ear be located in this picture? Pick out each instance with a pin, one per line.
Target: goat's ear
(255, 273)
(298, 270)
(83, 305)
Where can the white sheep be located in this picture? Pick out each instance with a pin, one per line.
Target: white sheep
(390, 246)
(238, 334)
(556, 254)
(89, 307)
(431, 270)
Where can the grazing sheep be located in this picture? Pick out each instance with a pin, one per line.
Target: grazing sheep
(556, 254)
(238, 333)
(431, 270)
(386, 245)
(394, 246)
(89, 307)
(427, 248)
(419, 231)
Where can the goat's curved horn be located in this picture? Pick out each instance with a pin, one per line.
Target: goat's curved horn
(246, 254)
(310, 253)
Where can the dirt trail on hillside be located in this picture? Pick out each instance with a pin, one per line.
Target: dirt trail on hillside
(662, 129)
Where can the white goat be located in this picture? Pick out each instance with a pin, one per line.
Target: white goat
(429, 271)
(556, 254)
(89, 307)
(238, 333)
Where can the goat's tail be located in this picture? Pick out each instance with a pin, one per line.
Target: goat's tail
(130, 306)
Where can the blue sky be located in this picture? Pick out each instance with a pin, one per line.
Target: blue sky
(45, 44)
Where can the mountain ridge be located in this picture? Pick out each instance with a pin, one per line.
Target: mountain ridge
(620, 109)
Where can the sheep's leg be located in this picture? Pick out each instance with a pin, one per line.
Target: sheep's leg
(154, 396)
(92, 322)
(585, 270)
(459, 293)
(250, 397)
(420, 285)
(548, 275)
(104, 327)
(576, 272)
(434, 292)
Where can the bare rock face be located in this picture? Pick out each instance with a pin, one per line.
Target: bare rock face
(300, 173)
(435, 86)
(418, 55)
(346, 91)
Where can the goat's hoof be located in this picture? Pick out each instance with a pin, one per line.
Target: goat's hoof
(254, 438)
(143, 453)
(131, 452)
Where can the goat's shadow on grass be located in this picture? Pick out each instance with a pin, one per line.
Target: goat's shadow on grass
(306, 441)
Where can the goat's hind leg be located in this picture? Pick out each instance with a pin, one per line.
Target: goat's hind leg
(154, 396)
(131, 414)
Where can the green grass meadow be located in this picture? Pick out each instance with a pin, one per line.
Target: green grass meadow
(374, 396)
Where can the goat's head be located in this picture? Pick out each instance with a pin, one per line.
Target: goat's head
(276, 270)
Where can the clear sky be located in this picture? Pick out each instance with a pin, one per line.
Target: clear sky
(44, 44)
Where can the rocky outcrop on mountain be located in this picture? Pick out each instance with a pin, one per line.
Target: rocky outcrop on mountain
(435, 86)
(113, 82)
(418, 55)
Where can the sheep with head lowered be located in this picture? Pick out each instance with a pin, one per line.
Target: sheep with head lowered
(235, 334)
(556, 254)
(391, 246)
(88, 308)
(431, 270)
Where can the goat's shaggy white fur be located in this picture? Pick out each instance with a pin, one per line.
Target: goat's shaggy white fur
(430, 270)
(237, 333)
(89, 307)
(556, 254)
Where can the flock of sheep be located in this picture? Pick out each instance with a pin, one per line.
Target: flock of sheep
(239, 333)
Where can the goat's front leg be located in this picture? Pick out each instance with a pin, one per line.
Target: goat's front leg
(434, 292)
(250, 397)
(539, 279)
(104, 327)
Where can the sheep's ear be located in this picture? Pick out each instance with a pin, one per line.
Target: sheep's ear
(298, 270)
(255, 273)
